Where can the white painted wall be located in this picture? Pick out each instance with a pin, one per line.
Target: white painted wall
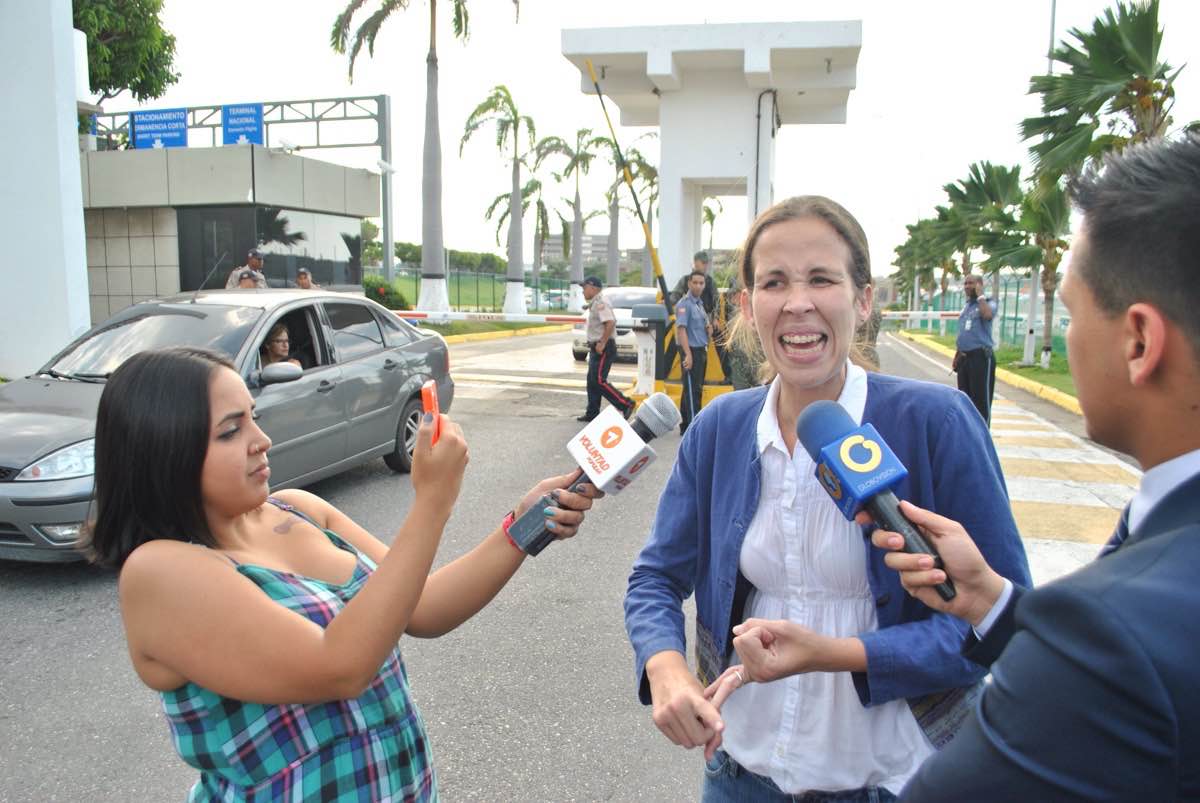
(704, 85)
(694, 159)
(43, 281)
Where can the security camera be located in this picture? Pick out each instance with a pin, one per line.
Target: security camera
(385, 167)
(287, 145)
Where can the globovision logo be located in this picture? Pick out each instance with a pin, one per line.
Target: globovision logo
(874, 454)
(611, 437)
(830, 481)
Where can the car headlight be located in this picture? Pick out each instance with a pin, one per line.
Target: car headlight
(61, 533)
(76, 460)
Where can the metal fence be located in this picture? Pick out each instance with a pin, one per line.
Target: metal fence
(476, 291)
(1012, 309)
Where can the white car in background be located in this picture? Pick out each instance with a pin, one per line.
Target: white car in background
(623, 300)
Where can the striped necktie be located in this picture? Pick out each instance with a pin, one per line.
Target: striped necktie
(1119, 535)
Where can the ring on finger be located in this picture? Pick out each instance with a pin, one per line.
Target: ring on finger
(741, 680)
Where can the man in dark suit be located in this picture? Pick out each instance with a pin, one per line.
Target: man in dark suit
(1095, 691)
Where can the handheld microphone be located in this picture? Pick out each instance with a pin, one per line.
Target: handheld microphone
(858, 470)
(611, 452)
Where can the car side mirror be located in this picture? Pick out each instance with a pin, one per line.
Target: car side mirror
(280, 372)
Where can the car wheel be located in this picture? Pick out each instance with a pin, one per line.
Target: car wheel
(580, 356)
(400, 458)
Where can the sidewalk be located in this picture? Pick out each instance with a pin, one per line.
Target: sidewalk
(1066, 494)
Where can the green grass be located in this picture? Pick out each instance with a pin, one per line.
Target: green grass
(472, 293)
(471, 327)
(1058, 376)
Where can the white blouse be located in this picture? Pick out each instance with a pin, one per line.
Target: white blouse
(808, 565)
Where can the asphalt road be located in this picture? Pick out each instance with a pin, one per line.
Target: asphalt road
(533, 699)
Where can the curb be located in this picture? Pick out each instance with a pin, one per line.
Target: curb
(1052, 395)
(535, 330)
(569, 384)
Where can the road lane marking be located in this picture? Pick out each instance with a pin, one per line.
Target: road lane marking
(1069, 492)
(1059, 522)
(1070, 470)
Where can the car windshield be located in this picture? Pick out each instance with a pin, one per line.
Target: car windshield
(629, 297)
(151, 326)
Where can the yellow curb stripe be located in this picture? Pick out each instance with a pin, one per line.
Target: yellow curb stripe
(1052, 395)
(474, 337)
(1092, 525)
(1058, 470)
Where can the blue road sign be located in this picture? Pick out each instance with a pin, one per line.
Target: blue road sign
(160, 128)
(242, 123)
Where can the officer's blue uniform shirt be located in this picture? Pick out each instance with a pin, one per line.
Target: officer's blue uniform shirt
(689, 314)
(973, 331)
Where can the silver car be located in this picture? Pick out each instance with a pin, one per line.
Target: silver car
(355, 397)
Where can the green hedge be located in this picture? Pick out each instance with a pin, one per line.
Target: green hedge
(377, 289)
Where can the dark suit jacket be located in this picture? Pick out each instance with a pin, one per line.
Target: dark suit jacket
(1095, 693)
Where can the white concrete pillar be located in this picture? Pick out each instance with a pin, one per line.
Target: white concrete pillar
(759, 182)
(43, 286)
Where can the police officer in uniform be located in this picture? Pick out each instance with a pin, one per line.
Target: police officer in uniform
(975, 362)
(602, 350)
(692, 332)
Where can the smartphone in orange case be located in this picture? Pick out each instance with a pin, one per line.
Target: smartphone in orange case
(429, 400)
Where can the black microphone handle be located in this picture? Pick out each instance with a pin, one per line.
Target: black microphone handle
(885, 509)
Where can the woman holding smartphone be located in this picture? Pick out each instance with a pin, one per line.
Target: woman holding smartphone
(270, 624)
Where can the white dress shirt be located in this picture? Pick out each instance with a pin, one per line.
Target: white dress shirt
(1160, 481)
(808, 565)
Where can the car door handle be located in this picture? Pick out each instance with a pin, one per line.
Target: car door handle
(325, 386)
(389, 364)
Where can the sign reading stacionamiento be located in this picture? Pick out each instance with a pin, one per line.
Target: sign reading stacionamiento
(159, 128)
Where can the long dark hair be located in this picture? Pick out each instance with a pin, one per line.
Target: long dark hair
(152, 432)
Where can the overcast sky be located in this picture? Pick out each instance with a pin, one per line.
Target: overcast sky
(941, 83)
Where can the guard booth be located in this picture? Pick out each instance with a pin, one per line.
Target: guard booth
(718, 94)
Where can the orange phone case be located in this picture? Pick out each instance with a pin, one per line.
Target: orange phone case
(429, 400)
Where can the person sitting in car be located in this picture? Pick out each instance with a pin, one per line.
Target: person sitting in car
(277, 347)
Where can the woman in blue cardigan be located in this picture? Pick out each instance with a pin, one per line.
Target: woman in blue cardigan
(744, 524)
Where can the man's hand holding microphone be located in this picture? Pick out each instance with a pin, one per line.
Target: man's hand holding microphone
(978, 586)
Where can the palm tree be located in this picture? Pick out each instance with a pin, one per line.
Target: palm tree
(579, 158)
(498, 107)
(920, 256)
(541, 232)
(709, 217)
(433, 295)
(953, 232)
(531, 193)
(631, 158)
(645, 175)
(1114, 81)
(1043, 228)
(986, 202)
(273, 228)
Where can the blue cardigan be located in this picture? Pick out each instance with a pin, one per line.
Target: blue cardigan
(710, 500)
